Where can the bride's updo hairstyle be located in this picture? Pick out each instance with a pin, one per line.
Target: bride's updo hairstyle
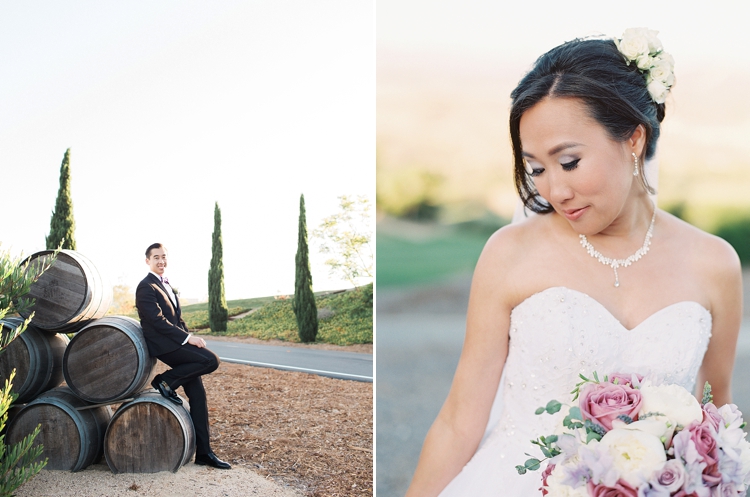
(614, 93)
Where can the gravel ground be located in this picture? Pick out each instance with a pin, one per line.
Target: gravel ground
(285, 434)
(99, 481)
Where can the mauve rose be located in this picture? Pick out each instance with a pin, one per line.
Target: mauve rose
(703, 436)
(603, 402)
(672, 476)
(712, 415)
(621, 489)
(624, 378)
(724, 490)
(682, 493)
(547, 471)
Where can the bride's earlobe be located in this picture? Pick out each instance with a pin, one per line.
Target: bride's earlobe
(637, 140)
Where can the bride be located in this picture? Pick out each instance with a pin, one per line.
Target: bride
(601, 280)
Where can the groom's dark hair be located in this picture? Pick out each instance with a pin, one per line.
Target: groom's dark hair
(613, 92)
(152, 247)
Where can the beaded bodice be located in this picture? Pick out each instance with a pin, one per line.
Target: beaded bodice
(555, 335)
(558, 333)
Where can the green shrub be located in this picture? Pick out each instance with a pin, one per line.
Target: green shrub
(198, 320)
(348, 319)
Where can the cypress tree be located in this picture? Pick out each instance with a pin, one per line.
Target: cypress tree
(62, 225)
(217, 303)
(304, 299)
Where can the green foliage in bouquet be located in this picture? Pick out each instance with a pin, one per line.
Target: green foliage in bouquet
(573, 421)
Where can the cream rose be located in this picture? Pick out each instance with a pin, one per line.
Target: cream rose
(658, 426)
(657, 89)
(654, 44)
(667, 58)
(637, 455)
(644, 62)
(673, 401)
(633, 43)
(662, 71)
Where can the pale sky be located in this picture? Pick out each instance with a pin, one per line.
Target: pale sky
(520, 31)
(170, 106)
(446, 68)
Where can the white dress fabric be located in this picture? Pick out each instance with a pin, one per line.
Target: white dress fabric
(555, 335)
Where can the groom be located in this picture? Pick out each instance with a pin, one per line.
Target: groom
(168, 340)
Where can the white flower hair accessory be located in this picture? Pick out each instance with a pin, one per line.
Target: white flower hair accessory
(642, 47)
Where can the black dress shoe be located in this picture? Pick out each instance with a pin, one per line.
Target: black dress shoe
(210, 459)
(166, 391)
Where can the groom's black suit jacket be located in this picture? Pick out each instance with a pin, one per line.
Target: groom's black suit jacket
(162, 323)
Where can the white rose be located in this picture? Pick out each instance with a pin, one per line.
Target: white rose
(658, 426)
(654, 45)
(658, 91)
(667, 57)
(662, 71)
(673, 401)
(637, 454)
(644, 62)
(634, 43)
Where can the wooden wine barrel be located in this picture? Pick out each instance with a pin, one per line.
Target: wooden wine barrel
(108, 360)
(37, 358)
(148, 435)
(72, 439)
(68, 294)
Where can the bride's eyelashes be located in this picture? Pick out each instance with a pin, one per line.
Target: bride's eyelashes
(536, 171)
(569, 166)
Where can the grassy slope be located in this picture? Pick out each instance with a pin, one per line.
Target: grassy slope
(404, 262)
(350, 322)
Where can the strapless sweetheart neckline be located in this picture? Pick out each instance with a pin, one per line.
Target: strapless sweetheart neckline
(605, 309)
(555, 335)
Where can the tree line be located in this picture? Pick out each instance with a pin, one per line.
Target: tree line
(345, 237)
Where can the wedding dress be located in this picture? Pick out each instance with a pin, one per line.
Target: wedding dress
(555, 335)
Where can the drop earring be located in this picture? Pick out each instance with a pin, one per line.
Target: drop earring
(635, 161)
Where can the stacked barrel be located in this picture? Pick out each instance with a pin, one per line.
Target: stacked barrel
(105, 363)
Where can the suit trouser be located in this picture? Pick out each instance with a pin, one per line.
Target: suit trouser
(188, 363)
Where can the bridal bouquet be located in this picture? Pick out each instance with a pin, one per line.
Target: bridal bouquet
(632, 438)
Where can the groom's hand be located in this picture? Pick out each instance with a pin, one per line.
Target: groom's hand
(197, 341)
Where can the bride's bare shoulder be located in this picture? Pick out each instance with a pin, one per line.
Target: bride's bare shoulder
(504, 259)
(518, 238)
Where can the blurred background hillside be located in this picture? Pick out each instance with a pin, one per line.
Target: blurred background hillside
(445, 70)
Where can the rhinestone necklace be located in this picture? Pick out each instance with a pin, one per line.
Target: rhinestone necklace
(615, 263)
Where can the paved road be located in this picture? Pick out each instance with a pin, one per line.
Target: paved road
(334, 364)
(419, 339)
